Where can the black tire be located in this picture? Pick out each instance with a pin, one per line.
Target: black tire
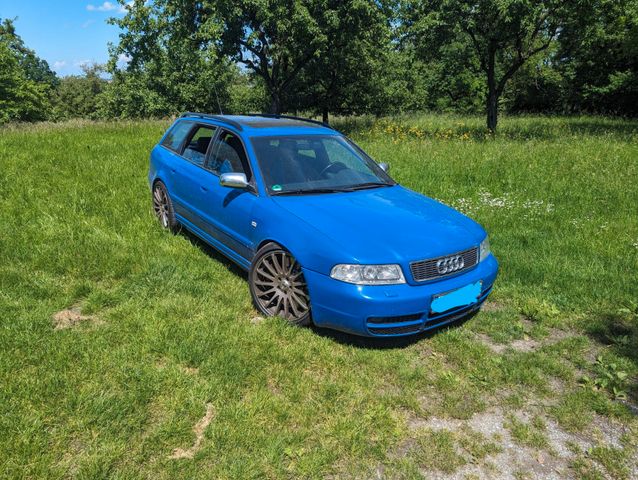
(278, 287)
(163, 207)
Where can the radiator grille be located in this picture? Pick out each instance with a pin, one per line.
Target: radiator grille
(427, 270)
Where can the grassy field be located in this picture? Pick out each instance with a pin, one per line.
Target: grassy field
(128, 352)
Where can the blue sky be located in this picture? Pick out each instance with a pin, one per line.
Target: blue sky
(65, 33)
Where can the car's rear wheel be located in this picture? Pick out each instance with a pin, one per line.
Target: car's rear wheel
(278, 287)
(163, 207)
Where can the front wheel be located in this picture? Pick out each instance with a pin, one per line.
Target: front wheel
(278, 287)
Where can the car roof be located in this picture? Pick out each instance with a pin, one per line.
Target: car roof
(266, 125)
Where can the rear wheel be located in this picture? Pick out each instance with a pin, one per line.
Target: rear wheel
(163, 207)
(278, 287)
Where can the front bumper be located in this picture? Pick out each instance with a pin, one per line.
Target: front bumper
(391, 310)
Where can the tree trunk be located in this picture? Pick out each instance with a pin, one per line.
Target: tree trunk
(492, 92)
(324, 116)
(275, 103)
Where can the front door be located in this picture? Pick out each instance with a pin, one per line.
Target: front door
(228, 211)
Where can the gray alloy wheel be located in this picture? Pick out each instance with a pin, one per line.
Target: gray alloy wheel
(163, 207)
(278, 287)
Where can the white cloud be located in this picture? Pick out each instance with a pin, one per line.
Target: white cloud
(88, 23)
(123, 60)
(59, 64)
(109, 7)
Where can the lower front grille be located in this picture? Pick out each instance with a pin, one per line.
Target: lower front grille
(395, 330)
(398, 319)
(428, 269)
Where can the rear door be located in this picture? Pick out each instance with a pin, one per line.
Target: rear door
(189, 179)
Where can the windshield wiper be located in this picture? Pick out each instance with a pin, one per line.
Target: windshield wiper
(363, 186)
(301, 191)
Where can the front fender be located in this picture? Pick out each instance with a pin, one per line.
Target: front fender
(313, 249)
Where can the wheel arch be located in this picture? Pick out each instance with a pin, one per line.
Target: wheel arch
(157, 180)
(267, 241)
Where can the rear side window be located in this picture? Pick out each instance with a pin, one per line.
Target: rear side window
(176, 136)
(197, 145)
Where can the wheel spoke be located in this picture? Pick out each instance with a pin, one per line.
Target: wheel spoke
(291, 266)
(267, 292)
(299, 299)
(277, 264)
(270, 268)
(273, 301)
(295, 312)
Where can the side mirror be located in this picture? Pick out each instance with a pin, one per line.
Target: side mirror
(385, 167)
(233, 180)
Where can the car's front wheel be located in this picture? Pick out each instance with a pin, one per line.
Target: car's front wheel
(277, 285)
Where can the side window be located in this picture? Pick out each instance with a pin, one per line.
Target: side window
(198, 143)
(176, 136)
(228, 156)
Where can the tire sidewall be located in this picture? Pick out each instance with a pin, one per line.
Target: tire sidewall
(173, 224)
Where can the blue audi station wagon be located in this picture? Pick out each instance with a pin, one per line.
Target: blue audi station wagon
(326, 235)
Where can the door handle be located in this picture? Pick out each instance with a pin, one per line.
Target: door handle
(172, 170)
(204, 189)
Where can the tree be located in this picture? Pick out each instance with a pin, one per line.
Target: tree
(275, 40)
(503, 34)
(34, 68)
(597, 58)
(345, 76)
(167, 61)
(77, 95)
(23, 92)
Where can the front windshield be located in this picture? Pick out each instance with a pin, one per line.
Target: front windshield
(315, 164)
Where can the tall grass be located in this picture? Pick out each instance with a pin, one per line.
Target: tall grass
(168, 327)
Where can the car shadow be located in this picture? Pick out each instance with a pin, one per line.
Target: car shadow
(385, 343)
(214, 254)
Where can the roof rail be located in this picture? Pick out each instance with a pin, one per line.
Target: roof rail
(219, 118)
(290, 117)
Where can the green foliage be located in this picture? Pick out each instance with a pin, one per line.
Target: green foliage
(347, 74)
(77, 96)
(597, 58)
(25, 80)
(166, 62)
(610, 376)
(328, 57)
(34, 68)
(273, 40)
(494, 38)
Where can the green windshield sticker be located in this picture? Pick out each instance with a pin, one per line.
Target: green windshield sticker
(276, 188)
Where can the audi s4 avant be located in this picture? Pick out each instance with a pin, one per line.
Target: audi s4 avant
(326, 235)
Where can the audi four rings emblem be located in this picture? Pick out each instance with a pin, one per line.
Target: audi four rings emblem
(450, 264)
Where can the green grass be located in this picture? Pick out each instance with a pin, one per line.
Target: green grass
(169, 324)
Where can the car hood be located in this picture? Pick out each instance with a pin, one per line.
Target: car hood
(384, 225)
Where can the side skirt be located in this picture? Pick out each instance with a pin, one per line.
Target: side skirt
(216, 244)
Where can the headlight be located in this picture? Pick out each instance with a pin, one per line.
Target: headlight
(484, 250)
(368, 274)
